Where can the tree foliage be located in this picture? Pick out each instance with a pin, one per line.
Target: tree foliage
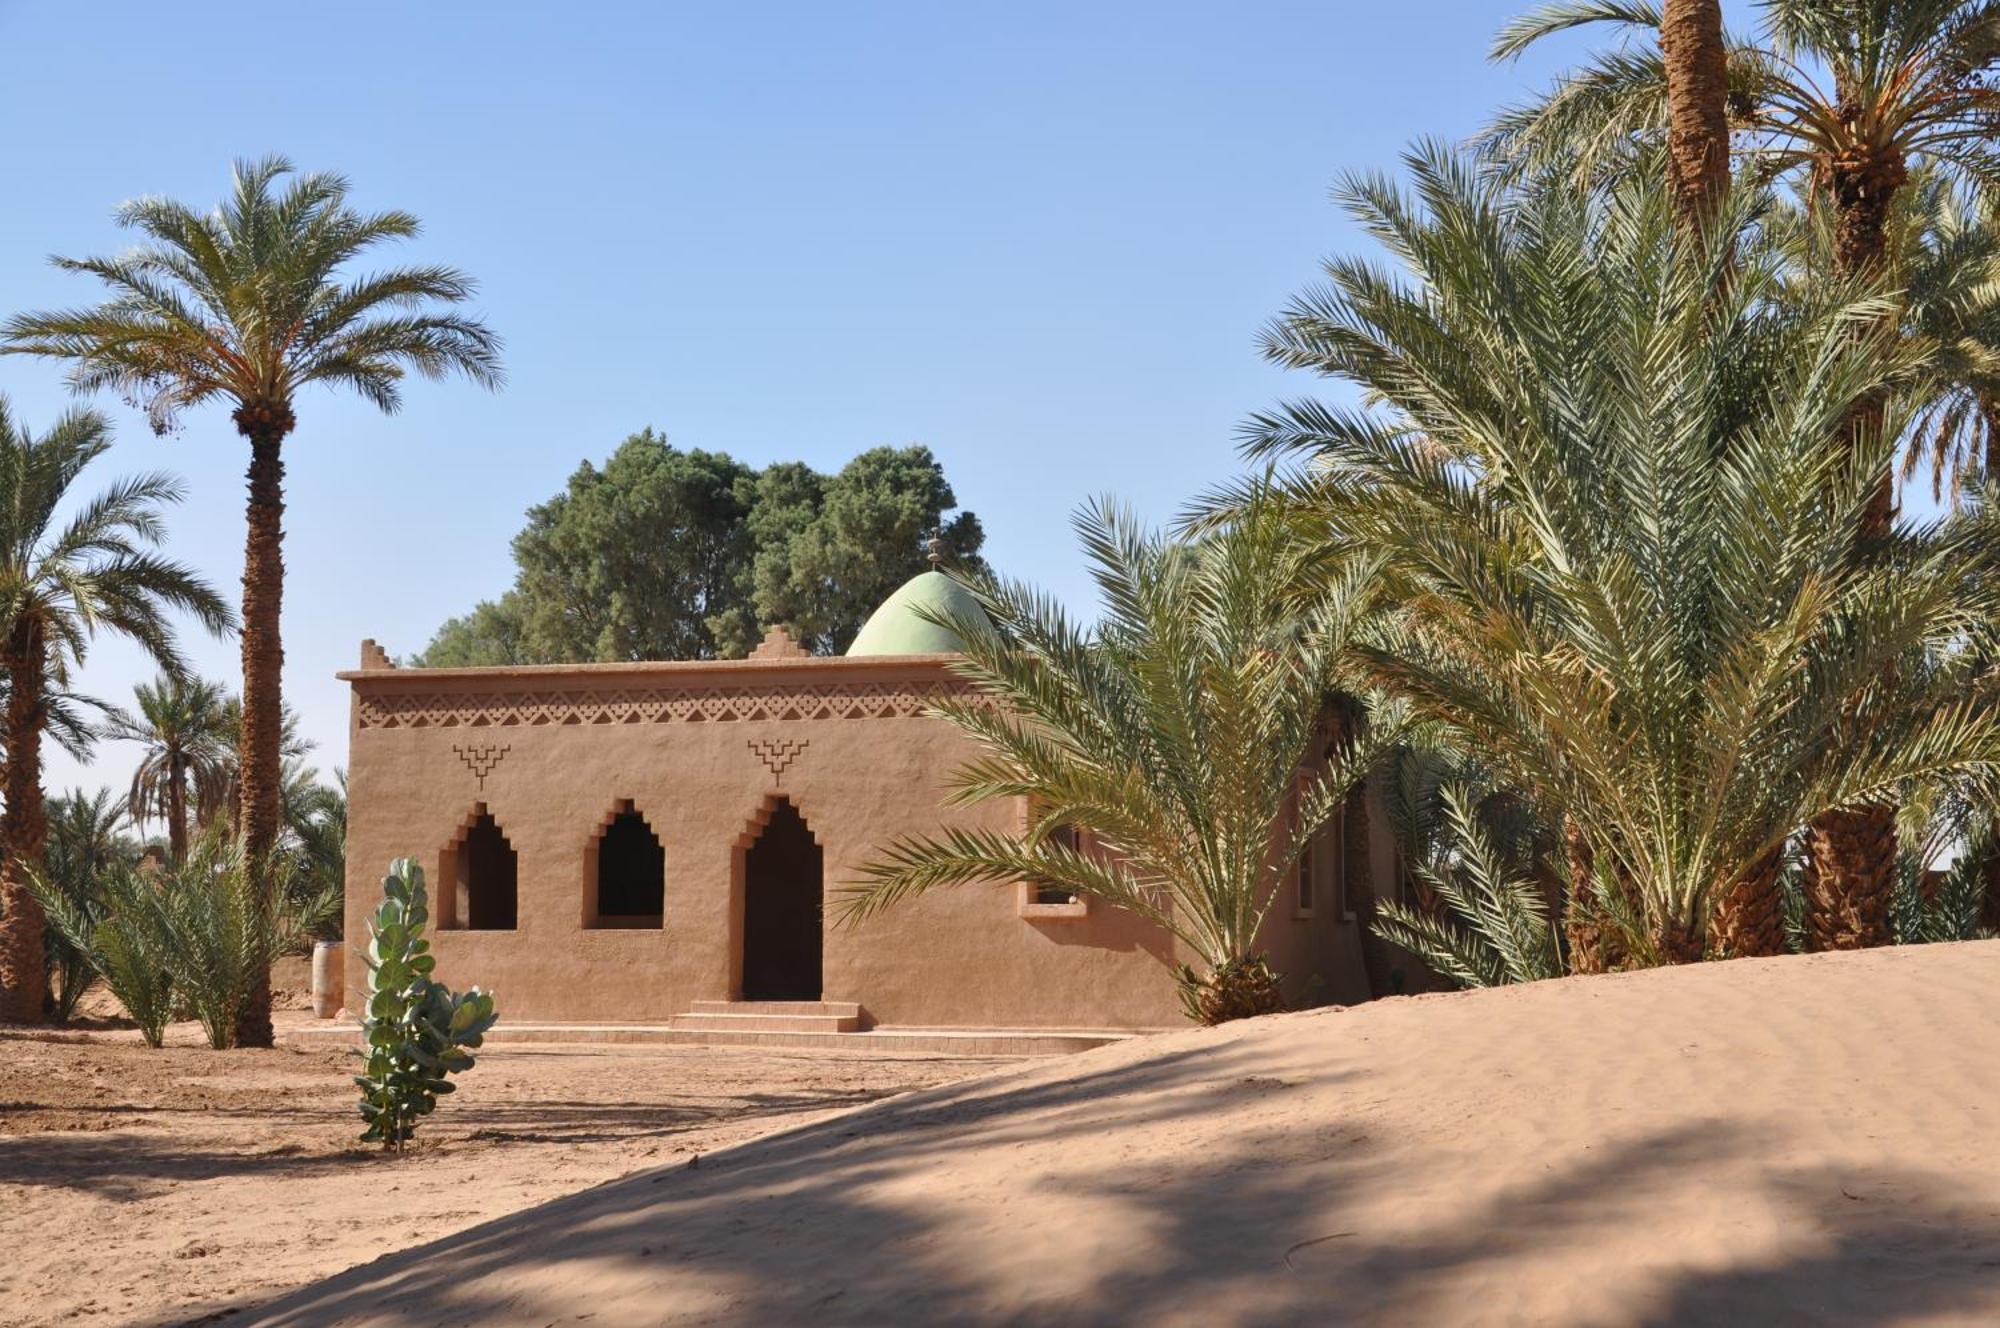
(670, 554)
(87, 839)
(1597, 479)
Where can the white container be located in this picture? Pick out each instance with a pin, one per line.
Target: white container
(329, 978)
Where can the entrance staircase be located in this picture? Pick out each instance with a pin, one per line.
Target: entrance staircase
(825, 1025)
(766, 1017)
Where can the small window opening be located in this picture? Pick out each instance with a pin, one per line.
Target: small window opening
(631, 873)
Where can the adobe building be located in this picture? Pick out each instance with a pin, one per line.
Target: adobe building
(655, 843)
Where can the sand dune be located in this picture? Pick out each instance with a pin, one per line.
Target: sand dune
(1802, 1140)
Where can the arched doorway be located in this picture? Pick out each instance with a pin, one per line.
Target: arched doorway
(782, 910)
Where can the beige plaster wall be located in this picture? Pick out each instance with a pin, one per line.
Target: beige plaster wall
(682, 743)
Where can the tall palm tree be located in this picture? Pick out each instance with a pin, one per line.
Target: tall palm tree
(292, 746)
(63, 581)
(1597, 477)
(1947, 260)
(246, 304)
(1854, 93)
(1181, 736)
(1689, 76)
(181, 723)
(1696, 64)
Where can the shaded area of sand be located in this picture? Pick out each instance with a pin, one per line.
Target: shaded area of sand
(145, 1186)
(1803, 1140)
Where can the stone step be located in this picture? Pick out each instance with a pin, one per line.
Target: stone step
(745, 1021)
(904, 1040)
(847, 1009)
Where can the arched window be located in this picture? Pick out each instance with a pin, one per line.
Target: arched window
(629, 875)
(1043, 899)
(1067, 838)
(481, 872)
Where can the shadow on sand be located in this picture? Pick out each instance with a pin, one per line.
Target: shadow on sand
(1263, 1232)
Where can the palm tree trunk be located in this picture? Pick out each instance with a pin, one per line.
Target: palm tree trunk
(1697, 68)
(1854, 879)
(1854, 848)
(1749, 919)
(177, 830)
(1590, 944)
(24, 975)
(259, 757)
(1358, 876)
(1989, 911)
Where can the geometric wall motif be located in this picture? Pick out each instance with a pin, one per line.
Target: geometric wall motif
(650, 705)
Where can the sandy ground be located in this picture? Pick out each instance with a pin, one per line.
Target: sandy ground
(143, 1186)
(1793, 1141)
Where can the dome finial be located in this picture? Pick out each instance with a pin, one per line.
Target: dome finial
(934, 550)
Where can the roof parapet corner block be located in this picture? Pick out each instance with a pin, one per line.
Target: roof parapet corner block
(374, 656)
(778, 644)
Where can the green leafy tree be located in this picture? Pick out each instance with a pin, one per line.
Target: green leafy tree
(494, 632)
(831, 549)
(1596, 478)
(183, 725)
(1182, 736)
(71, 566)
(655, 527)
(246, 305)
(666, 554)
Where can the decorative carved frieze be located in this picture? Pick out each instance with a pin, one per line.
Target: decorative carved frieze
(650, 705)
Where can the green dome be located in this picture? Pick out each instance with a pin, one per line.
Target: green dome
(897, 628)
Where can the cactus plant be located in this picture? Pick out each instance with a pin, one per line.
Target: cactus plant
(418, 1031)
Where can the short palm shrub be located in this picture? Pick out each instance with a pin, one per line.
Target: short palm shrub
(1184, 736)
(224, 935)
(121, 929)
(86, 838)
(1492, 923)
(418, 1032)
(185, 941)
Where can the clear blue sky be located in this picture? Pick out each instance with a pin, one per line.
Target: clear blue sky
(1039, 238)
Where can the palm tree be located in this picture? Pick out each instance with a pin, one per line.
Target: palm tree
(1905, 86)
(316, 848)
(1947, 259)
(1597, 477)
(1696, 65)
(245, 304)
(1182, 736)
(181, 723)
(292, 745)
(61, 583)
(1854, 93)
(1690, 77)
(86, 839)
